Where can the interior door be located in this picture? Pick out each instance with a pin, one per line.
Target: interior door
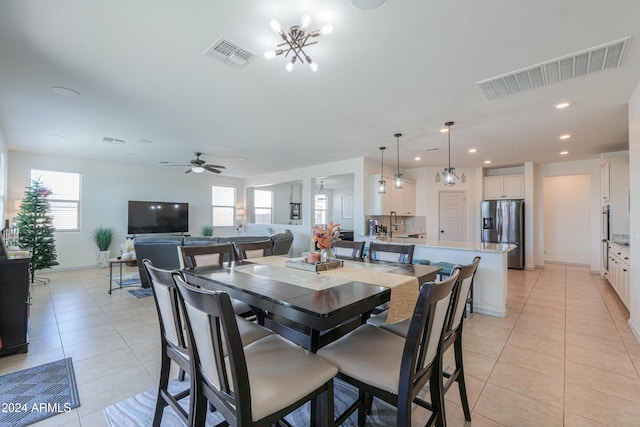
(451, 215)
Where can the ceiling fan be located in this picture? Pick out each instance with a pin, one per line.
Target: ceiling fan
(198, 166)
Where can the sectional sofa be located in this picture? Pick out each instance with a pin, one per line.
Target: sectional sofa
(163, 250)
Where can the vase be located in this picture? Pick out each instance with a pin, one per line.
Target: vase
(327, 254)
(103, 258)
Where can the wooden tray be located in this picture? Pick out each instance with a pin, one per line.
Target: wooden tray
(319, 266)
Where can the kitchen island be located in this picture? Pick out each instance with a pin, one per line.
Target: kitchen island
(490, 285)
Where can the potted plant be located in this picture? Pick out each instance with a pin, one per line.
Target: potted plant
(207, 230)
(103, 237)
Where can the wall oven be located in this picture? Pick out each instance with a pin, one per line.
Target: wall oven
(605, 236)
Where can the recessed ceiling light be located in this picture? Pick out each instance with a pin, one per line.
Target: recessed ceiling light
(564, 153)
(64, 91)
(430, 150)
(486, 162)
(163, 162)
(145, 141)
(417, 158)
(473, 150)
(565, 136)
(444, 130)
(242, 158)
(562, 105)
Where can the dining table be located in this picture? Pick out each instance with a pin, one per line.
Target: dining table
(315, 308)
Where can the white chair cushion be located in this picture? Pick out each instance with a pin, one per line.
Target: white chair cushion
(251, 332)
(368, 354)
(398, 328)
(280, 373)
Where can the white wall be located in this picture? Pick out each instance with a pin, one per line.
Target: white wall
(427, 196)
(302, 234)
(583, 167)
(634, 179)
(567, 219)
(106, 189)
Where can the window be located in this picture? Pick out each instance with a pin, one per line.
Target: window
(223, 206)
(321, 206)
(64, 199)
(263, 205)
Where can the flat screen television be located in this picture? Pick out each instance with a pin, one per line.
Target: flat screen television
(158, 217)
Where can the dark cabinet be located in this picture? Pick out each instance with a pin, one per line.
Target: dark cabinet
(14, 305)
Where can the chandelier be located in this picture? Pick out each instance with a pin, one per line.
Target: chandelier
(295, 40)
(449, 174)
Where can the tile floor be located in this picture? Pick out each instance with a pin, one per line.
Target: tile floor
(562, 356)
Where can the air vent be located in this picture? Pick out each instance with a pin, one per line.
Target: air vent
(599, 58)
(230, 53)
(113, 140)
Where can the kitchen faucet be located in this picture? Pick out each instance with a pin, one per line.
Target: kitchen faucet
(391, 225)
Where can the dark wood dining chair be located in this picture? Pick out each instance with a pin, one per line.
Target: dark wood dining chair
(197, 256)
(391, 252)
(453, 329)
(346, 249)
(393, 368)
(173, 344)
(249, 250)
(252, 386)
(207, 255)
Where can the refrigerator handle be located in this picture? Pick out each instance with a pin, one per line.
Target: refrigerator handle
(499, 222)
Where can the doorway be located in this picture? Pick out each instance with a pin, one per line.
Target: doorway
(452, 215)
(567, 219)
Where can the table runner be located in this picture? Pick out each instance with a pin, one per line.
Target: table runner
(404, 289)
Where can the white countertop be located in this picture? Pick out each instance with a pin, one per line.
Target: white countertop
(465, 246)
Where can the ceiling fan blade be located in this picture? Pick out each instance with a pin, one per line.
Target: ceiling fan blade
(210, 168)
(176, 165)
(188, 171)
(216, 166)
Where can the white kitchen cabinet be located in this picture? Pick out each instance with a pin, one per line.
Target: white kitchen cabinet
(402, 201)
(504, 187)
(620, 271)
(619, 195)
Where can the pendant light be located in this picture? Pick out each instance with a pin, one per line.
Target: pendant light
(398, 181)
(449, 174)
(382, 184)
(322, 195)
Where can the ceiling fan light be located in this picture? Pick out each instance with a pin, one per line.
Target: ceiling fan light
(197, 169)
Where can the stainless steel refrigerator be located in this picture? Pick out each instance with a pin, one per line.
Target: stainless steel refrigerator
(503, 222)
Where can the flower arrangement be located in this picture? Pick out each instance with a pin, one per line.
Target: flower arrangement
(326, 237)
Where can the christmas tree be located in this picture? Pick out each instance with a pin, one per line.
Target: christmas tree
(35, 227)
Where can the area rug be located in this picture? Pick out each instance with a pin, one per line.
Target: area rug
(137, 411)
(141, 293)
(128, 280)
(37, 393)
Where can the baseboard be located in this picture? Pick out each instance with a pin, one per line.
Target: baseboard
(488, 312)
(634, 331)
